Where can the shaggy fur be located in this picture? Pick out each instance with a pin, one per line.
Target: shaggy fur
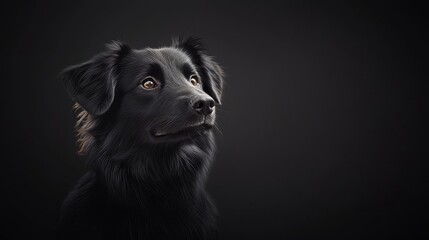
(148, 151)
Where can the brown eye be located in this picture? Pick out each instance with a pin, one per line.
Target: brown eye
(194, 80)
(148, 83)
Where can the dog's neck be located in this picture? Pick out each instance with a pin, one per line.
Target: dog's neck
(156, 178)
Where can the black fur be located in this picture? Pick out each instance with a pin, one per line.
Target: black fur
(146, 177)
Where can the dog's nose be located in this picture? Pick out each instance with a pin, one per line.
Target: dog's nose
(203, 106)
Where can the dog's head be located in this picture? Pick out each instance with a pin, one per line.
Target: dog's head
(161, 95)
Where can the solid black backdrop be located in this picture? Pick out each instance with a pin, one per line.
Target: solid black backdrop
(322, 117)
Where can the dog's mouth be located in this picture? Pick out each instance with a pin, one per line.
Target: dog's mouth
(186, 132)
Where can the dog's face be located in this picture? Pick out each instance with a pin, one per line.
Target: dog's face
(165, 92)
(163, 95)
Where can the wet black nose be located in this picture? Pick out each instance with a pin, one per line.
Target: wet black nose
(203, 106)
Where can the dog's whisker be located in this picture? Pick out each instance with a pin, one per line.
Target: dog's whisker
(217, 128)
(222, 110)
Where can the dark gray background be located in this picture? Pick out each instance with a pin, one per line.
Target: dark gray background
(321, 120)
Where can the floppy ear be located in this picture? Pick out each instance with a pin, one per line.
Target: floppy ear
(92, 84)
(212, 73)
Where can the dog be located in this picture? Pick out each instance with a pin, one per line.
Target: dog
(145, 123)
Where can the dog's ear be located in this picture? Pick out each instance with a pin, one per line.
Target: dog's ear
(212, 73)
(92, 84)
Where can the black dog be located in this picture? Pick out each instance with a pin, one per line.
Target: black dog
(145, 121)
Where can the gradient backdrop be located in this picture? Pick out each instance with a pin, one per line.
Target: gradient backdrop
(322, 119)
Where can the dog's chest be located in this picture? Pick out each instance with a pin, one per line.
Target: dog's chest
(167, 226)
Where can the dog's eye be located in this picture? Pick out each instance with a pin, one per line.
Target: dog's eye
(148, 83)
(194, 80)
